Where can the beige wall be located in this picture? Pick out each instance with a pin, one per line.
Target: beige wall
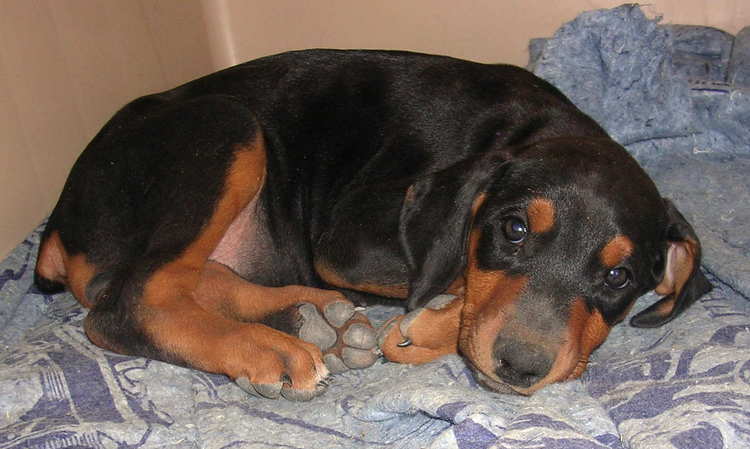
(67, 65)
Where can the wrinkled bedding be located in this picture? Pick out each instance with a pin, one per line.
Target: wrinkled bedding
(677, 97)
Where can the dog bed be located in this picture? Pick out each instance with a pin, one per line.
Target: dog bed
(678, 97)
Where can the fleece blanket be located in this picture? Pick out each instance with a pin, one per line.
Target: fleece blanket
(677, 97)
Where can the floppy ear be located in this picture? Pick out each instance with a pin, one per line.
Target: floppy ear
(683, 281)
(434, 223)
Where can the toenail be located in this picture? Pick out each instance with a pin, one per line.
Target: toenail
(269, 391)
(404, 343)
(299, 395)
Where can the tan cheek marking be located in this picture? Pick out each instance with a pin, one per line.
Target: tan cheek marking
(490, 297)
(616, 250)
(594, 334)
(589, 331)
(586, 331)
(568, 358)
(541, 213)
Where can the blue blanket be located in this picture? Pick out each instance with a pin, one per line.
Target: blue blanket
(675, 96)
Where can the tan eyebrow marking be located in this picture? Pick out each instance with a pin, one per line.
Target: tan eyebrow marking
(616, 250)
(541, 213)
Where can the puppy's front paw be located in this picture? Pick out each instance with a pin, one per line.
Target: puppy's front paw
(270, 364)
(424, 334)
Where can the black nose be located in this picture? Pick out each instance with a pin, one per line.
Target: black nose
(521, 363)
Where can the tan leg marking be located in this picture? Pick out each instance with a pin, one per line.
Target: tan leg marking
(433, 334)
(51, 261)
(54, 263)
(80, 273)
(175, 322)
(222, 291)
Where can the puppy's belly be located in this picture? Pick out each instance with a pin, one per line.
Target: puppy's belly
(241, 244)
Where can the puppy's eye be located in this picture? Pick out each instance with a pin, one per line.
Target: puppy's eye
(515, 230)
(617, 278)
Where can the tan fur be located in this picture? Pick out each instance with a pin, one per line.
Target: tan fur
(541, 213)
(433, 334)
(192, 328)
(74, 271)
(51, 261)
(400, 291)
(489, 302)
(616, 251)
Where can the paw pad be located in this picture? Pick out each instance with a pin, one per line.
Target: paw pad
(345, 336)
(315, 329)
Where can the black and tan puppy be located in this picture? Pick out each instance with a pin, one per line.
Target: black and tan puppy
(211, 225)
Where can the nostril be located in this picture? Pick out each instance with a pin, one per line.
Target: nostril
(510, 374)
(521, 364)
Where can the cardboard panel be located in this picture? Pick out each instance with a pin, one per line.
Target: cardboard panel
(482, 30)
(65, 68)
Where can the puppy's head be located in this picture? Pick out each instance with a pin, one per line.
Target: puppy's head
(553, 243)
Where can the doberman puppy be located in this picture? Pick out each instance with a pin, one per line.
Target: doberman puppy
(218, 225)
